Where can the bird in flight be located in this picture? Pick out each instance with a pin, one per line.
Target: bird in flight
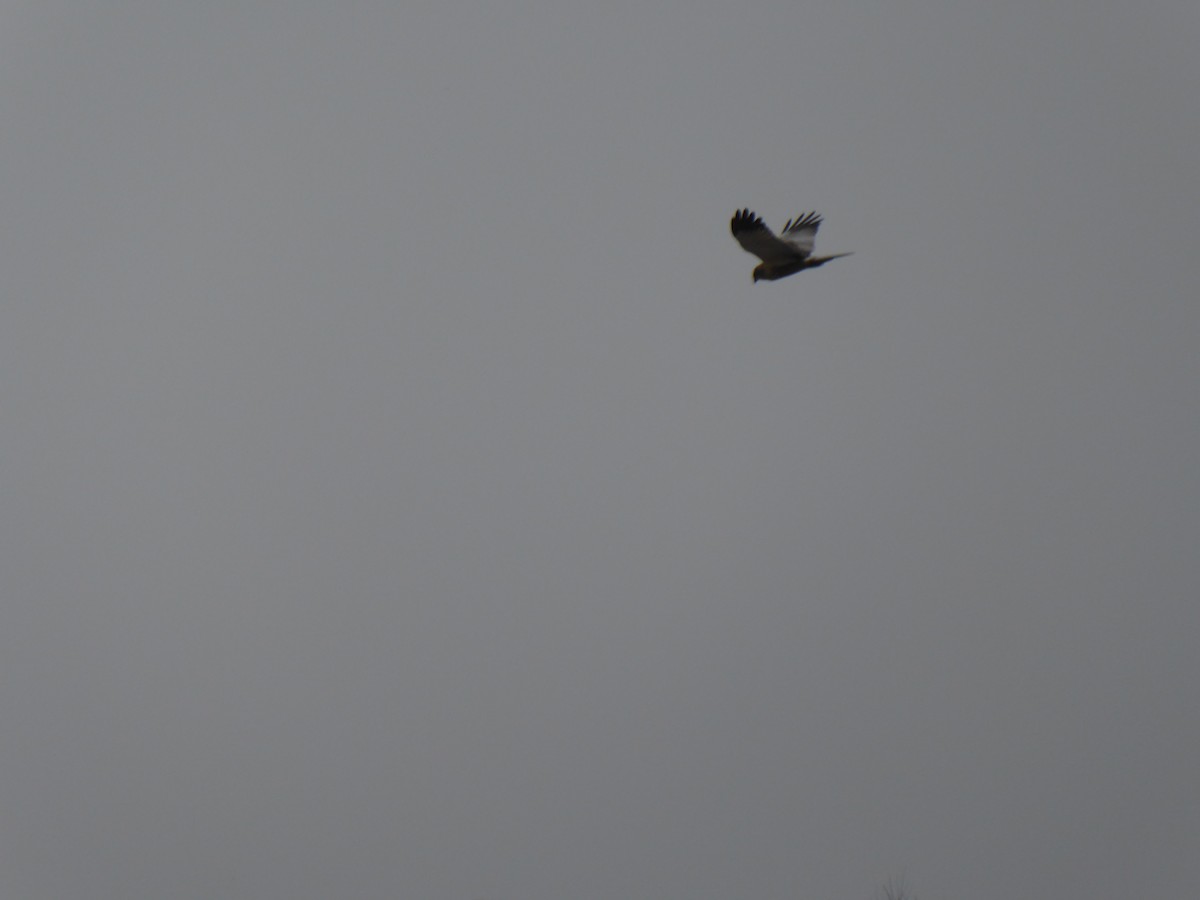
(784, 254)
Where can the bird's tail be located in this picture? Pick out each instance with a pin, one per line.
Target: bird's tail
(821, 260)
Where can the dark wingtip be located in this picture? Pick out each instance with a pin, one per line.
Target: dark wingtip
(744, 219)
(804, 220)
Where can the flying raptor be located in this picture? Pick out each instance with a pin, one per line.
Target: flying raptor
(784, 254)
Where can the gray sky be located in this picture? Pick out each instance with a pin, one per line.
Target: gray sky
(407, 493)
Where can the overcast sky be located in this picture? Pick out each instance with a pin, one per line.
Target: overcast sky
(408, 494)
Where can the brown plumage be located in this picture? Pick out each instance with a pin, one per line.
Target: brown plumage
(784, 254)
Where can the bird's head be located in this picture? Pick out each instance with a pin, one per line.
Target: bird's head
(758, 273)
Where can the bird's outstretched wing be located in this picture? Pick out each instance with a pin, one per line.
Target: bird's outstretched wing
(755, 237)
(801, 233)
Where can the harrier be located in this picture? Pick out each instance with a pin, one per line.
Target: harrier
(782, 255)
